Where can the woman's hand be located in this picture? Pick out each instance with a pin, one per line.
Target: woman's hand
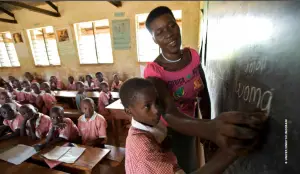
(237, 130)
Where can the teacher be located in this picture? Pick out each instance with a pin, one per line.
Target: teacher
(179, 78)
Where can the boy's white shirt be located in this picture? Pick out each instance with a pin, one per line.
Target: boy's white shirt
(159, 132)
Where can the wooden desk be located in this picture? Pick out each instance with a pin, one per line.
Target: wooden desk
(84, 164)
(72, 94)
(25, 168)
(118, 113)
(4, 144)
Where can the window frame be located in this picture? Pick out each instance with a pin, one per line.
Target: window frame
(44, 41)
(7, 51)
(98, 57)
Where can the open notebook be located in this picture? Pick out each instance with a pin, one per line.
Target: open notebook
(64, 154)
(18, 154)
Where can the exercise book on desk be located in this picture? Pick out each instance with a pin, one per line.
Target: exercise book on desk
(64, 154)
(18, 154)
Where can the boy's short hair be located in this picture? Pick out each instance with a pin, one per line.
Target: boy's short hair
(155, 13)
(99, 73)
(89, 100)
(79, 83)
(57, 109)
(46, 83)
(9, 105)
(35, 83)
(6, 93)
(131, 88)
(103, 84)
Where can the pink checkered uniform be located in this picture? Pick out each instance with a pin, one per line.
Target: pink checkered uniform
(93, 128)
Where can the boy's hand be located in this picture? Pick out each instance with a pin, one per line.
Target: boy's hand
(238, 131)
(37, 147)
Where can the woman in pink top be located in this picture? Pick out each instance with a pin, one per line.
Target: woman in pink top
(48, 98)
(12, 120)
(36, 125)
(178, 77)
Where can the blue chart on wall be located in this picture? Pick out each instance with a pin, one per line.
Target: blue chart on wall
(121, 34)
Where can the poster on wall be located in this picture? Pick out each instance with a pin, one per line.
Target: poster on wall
(121, 34)
(20, 46)
(64, 41)
(17, 37)
(62, 35)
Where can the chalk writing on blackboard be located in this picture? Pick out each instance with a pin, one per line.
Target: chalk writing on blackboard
(252, 94)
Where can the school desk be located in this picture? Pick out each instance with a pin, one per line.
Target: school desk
(26, 168)
(72, 94)
(84, 164)
(118, 115)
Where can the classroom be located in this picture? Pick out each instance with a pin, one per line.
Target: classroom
(148, 87)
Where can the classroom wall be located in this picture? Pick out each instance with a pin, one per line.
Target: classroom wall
(125, 61)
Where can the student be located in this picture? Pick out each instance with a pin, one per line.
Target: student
(6, 97)
(145, 144)
(48, 98)
(2, 82)
(61, 129)
(12, 120)
(99, 79)
(56, 84)
(105, 98)
(116, 84)
(30, 77)
(81, 79)
(28, 92)
(35, 125)
(9, 88)
(80, 94)
(11, 80)
(89, 84)
(91, 125)
(72, 84)
(19, 92)
(38, 96)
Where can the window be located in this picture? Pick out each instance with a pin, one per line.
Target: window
(43, 46)
(146, 48)
(8, 54)
(94, 42)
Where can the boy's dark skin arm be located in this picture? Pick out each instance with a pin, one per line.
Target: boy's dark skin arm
(223, 130)
(3, 129)
(11, 135)
(50, 140)
(98, 142)
(23, 127)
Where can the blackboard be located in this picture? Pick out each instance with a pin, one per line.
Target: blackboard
(253, 61)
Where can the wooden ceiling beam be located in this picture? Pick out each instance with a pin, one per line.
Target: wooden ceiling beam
(116, 3)
(32, 8)
(12, 21)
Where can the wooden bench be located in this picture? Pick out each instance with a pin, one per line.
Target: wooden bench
(73, 114)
